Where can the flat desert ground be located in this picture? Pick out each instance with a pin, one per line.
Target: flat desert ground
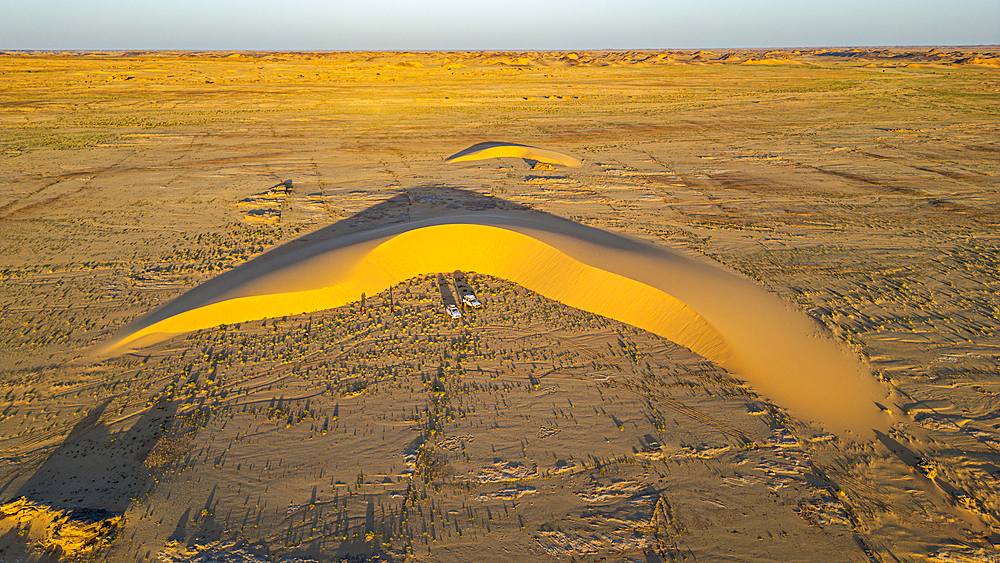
(854, 192)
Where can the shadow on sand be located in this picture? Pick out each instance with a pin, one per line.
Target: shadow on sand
(96, 469)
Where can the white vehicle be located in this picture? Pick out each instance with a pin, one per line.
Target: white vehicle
(470, 300)
(453, 311)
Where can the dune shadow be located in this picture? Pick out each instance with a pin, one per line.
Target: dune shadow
(95, 469)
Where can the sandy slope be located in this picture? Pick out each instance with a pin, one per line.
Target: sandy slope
(713, 312)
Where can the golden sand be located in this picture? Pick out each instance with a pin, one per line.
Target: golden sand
(58, 531)
(476, 248)
(720, 316)
(487, 150)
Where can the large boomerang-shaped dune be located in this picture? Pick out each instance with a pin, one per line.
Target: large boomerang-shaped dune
(715, 313)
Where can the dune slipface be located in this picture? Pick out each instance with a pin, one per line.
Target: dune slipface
(715, 313)
(490, 149)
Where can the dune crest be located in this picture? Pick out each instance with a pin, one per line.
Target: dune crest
(500, 252)
(491, 149)
(723, 317)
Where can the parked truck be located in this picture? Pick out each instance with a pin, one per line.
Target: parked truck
(465, 290)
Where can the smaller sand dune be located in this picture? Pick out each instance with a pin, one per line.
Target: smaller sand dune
(492, 149)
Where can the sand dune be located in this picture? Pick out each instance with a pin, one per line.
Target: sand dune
(490, 149)
(446, 247)
(711, 311)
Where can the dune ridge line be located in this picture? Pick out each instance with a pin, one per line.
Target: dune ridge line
(500, 252)
(493, 149)
(726, 318)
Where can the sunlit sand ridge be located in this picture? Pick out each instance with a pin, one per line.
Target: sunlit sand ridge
(483, 151)
(500, 252)
(711, 311)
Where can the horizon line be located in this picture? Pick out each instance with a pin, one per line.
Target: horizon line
(568, 50)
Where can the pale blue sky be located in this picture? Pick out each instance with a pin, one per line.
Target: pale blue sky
(497, 24)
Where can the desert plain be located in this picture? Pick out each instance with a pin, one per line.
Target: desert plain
(742, 307)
